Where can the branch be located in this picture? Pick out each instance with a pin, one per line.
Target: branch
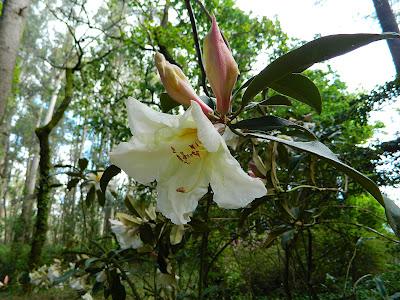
(391, 146)
(197, 45)
(360, 226)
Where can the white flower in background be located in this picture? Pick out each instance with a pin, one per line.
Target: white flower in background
(79, 283)
(126, 230)
(54, 271)
(184, 154)
(39, 276)
(101, 276)
(87, 296)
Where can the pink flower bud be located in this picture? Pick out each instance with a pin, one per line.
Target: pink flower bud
(221, 68)
(176, 83)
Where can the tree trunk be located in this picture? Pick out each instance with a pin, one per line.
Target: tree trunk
(388, 23)
(68, 216)
(43, 194)
(24, 228)
(4, 180)
(12, 21)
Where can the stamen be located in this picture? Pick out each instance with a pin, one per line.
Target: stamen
(181, 189)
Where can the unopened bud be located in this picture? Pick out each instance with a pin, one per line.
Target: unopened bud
(221, 68)
(176, 83)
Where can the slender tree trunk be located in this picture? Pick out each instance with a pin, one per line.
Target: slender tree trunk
(69, 217)
(12, 21)
(43, 194)
(4, 178)
(30, 183)
(388, 23)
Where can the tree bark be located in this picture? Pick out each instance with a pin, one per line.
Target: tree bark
(388, 23)
(12, 21)
(4, 180)
(43, 194)
(30, 183)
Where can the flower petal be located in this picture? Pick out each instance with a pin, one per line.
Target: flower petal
(127, 237)
(232, 187)
(178, 196)
(145, 121)
(140, 161)
(206, 131)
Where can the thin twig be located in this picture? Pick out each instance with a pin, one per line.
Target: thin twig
(360, 226)
(197, 45)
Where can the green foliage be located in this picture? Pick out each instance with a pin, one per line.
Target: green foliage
(304, 57)
(303, 234)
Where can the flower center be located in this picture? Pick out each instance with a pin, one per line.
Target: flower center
(187, 146)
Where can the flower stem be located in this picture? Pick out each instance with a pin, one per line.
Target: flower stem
(203, 251)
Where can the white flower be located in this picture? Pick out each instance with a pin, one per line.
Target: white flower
(39, 276)
(184, 154)
(127, 234)
(87, 296)
(76, 284)
(53, 273)
(101, 276)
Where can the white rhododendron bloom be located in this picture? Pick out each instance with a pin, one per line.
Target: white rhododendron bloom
(184, 154)
(127, 235)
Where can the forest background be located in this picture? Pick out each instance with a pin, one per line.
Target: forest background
(77, 63)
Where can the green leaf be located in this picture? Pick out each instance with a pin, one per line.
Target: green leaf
(101, 197)
(380, 286)
(167, 103)
(322, 151)
(276, 100)
(199, 226)
(393, 215)
(64, 277)
(91, 195)
(146, 234)
(244, 85)
(211, 102)
(83, 163)
(301, 88)
(108, 174)
(287, 237)
(269, 123)
(72, 183)
(90, 261)
(74, 174)
(305, 56)
(116, 287)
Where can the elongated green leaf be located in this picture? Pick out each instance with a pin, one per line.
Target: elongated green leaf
(319, 149)
(167, 103)
(211, 102)
(91, 195)
(108, 174)
(301, 88)
(393, 215)
(244, 85)
(64, 277)
(276, 100)
(146, 234)
(83, 163)
(117, 289)
(72, 183)
(305, 56)
(269, 123)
